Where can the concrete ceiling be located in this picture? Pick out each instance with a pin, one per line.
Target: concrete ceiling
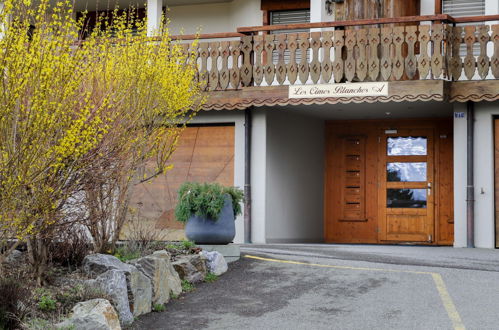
(92, 5)
(372, 110)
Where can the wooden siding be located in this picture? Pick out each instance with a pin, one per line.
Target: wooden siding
(370, 9)
(204, 154)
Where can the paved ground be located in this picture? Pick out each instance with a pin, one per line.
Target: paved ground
(344, 287)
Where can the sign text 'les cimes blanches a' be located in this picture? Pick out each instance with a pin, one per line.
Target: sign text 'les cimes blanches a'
(339, 90)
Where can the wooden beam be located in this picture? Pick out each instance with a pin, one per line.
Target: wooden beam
(406, 19)
(438, 7)
(207, 36)
(411, 91)
(476, 19)
(272, 5)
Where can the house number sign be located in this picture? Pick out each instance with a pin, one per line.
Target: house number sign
(339, 90)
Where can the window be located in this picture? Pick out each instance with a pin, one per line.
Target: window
(460, 8)
(283, 17)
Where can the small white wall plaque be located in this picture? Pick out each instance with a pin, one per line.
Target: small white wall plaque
(339, 90)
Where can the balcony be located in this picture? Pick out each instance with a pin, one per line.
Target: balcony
(424, 55)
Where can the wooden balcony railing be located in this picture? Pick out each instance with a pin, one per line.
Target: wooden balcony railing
(439, 50)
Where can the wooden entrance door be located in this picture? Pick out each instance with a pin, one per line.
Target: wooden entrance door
(406, 179)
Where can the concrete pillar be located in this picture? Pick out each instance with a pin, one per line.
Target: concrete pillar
(460, 177)
(318, 12)
(154, 13)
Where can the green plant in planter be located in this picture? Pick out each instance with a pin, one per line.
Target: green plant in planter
(206, 199)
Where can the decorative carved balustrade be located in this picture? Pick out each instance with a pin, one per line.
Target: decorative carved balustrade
(414, 52)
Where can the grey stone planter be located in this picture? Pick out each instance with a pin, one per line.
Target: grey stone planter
(202, 230)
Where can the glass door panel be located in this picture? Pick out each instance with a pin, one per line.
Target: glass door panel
(406, 172)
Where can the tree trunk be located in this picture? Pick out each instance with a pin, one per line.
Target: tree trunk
(38, 257)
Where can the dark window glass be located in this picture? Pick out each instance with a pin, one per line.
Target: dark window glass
(407, 146)
(406, 172)
(406, 198)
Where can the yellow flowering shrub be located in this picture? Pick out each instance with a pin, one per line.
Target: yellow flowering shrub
(77, 117)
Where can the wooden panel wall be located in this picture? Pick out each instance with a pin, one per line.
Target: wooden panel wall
(203, 154)
(444, 173)
(342, 225)
(369, 9)
(340, 230)
(284, 5)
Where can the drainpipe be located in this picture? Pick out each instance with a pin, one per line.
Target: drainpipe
(247, 175)
(470, 188)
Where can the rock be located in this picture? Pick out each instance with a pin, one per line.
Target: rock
(215, 262)
(113, 283)
(138, 285)
(155, 269)
(96, 314)
(174, 281)
(140, 290)
(13, 257)
(191, 268)
(96, 264)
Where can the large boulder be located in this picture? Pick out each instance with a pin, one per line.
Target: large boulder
(138, 285)
(96, 314)
(113, 284)
(174, 281)
(14, 257)
(140, 290)
(96, 264)
(215, 262)
(156, 270)
(191, 268)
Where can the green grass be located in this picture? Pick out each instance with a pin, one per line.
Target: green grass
(47, 304)
(210, 278)
(188, 244)
(187, 286)
(173, 295)
(182, 245)
(158, 308)
(125, 254)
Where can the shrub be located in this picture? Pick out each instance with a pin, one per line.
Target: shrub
(14, 300)
(206, 199)
(70, 247)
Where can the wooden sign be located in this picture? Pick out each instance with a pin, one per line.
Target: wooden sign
(338, 90)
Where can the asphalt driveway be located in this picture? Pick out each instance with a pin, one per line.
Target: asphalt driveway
(343, 287)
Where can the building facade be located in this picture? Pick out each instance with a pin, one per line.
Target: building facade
(356, 121)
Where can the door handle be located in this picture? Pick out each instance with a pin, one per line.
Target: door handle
(429, 188)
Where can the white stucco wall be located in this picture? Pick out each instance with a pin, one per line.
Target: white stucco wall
(258, 175)
(214, 17)
(294, 179)
(427, 7)
(236, 117)
(483, 175)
